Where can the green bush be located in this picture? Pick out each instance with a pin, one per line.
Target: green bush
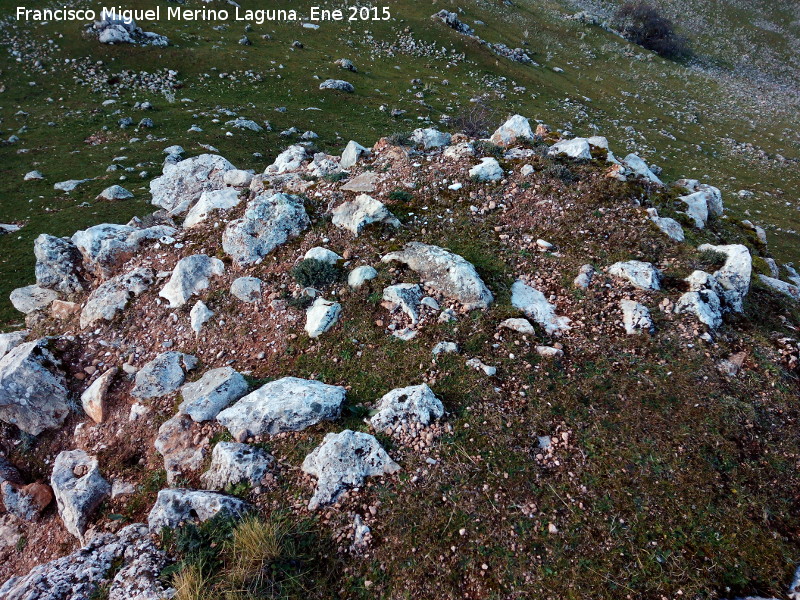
(400, 195)
(315, 273)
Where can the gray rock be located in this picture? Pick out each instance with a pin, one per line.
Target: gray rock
(669, 226)
(161, 376)
(323, 165)
(176, 443)
(479, 365)
(535, 306)
(233, 463)
(321, 316)
(343, 461)
(640, 169)
(364, 210)
(346, 64)
(288, 161)
(792, 291)
(360, 275)
(514, 130)
(33, 176)
(191, 275)
(584, 278)
(322, 255)
(105, 247)
(412, 404)
(734, 275)
(182, 183)
(9, 341)
(130, 557)
(636, 318)
(488, 170)
(577, 148)
(288, 404)
(352, 154)
(199, 316)
(445, 272)
(176, 506)
(33, 393)
(696, 208)
(704, 304)
(115, 294)
(93, 398)
(407, 297)
(337, 84)
(712, 195)
(26, 502)
(642, 275)
(445, 348)
(270, 220)
(58, 262)
(247, 289)
(69, 185)
(519, 325)
(31, 298)
(214, 391)
(242, 123)
(237, 178)
(79, 489)
(115, 192)
(210, 202)
(430, 138)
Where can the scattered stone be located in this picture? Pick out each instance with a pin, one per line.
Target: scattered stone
(69, 185)
(669, 226)
(212, 201)
(577, 148)
(33, 176)
(182, 183)
(406, 296)
(640, 168)
(199, 316)
(519, 325)
(478, 365)
(321, 316)
(359, 276)
(115, 294)
(9, 341)
(549, 352)
(190, 276)
(338, 85)
(58, 262)
(445, 348)
(364, 183)
(288, 404)
(93, 399)
(346, 64)
(734, 276)
(104, 247)
(115, 192)
(79, 489)
(353, 152)
(364, 210)
(288, 161)
(214, 391)
(31, 298)
(704, 304)
(787, 289)
(488, 170)
(161, 376)
(322, 255)
(33, 392)
(642, 275)
(516, 129)
(343, 461)
(270, 220)
(430, 138)
(412, 404)
(176, 506)
(247, 289)
(636, 318)
(177, 444)
(584, 278)
(445, 272)
(535, 306)
(233, 463)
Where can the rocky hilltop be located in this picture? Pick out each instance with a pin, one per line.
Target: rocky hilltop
(463, 367)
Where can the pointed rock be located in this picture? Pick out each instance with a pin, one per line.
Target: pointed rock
(534, 304)
(79, 489)
(191, 275)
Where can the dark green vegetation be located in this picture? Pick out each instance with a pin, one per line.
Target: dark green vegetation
(673, 115)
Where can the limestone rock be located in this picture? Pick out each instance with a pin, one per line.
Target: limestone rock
(57, 264)
(9, 341)
(115, 192)
(642, 275)
(445, 272)
(416, 403)
(352, 153)
(33, 393)
(233, 463)
(79, 489)
(635, 318)
(214, 391)
(337, 84)
(322, 255)
(321, 316)
(518, 325)
(343, 461)
(288, 161)
(199, 316)
(358, 277)
(182, 183)
(639, 168)
(115, 294)
(237, 178)
(696, 208)
(31, 298)
(175, 506)
(247, 289)
(577, 148)
(210, 202)
(407, 297)
(62, 310)
(190, 276)
(488, 170)
(93, 399)
(535, 306)
(669, 226)
(445, 348)
(734, 275)
(105, 247)
(479, 365)
(364, 210)
(365, 182)
(176, 443)
(787, 289)
(704, 304)
(323, 165)
(161, 376)
(711, 194)
(430, 138)
(288, 404)
(25, 502)
(584, 278)
(516, 129)
(270, 220)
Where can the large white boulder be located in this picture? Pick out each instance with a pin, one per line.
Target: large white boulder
(33, 392)
(668, 226)
(577, 148)
(175, 506)
(734, 275)
(209, 202)
(445, 272)
(787, 289)
(114, 295)
(182, 183)
(31, 298)
(191, 275)
(412, 404)
(703, 304)
(430, 138)
(352, 153)
(356, 214)
(640, 168)
(343, 461)
(162, 375)
(642, 275)
(270, 220)
(321, 316)
(79, 489)
(233, 463)
(58, 263)
(488, 170)
(288, 161)
(360, 275)
(107, 246)
(214, 391)
(288, 404)
(516, 129)
(535, 306)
